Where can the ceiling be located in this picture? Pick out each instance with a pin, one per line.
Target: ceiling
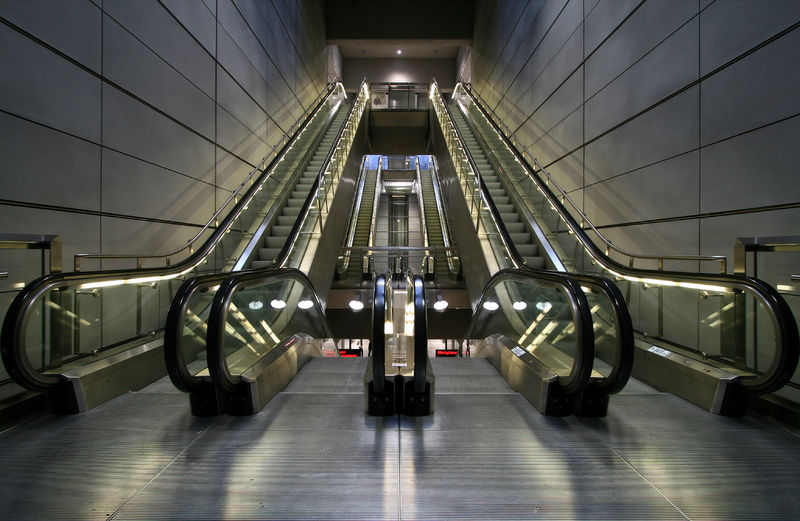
(367, 48)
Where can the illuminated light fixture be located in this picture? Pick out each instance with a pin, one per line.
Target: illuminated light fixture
(399, 51)
(356, 304)
(440, 304)
(305, 304)
(256, 304)
(585, 289)
(519, 305)
(544, 306)
(490, 305)
(278, 303)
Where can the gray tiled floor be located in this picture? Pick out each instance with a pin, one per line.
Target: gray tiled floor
(313, 454)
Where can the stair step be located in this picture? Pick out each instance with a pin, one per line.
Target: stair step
(275, 241)
(268, 254)
(527, 250)
(520, 238)
(536, 263)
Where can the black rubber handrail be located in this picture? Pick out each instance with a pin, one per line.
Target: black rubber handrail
(623, 358)
(420, 333)
(584, 334)
(173, 331)
(787, 350)
(12, 346)
(378, 340)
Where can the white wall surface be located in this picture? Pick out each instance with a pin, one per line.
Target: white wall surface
(673, 123)
(125, 123)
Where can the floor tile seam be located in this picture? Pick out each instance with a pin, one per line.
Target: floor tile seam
(651, 484)
(169, 463)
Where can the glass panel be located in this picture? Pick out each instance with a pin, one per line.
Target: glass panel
(538, 318)
(261, 316)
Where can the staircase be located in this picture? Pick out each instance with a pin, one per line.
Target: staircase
(521, 234)
(277, 235)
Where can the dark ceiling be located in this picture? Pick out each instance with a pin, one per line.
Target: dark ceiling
(399, 19)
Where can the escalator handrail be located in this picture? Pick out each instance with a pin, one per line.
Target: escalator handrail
(420, 333)
(217, 319)
(176, 366)
(378, 340)
(12, 347)
(189, 244)
(442, 209)
(584, 335)
(787, 352)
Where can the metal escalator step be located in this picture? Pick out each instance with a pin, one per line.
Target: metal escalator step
(527, 250)
(268, 254)
(505, 208)
(291, 211)
(286, 220)
(274, 241)
(299, 194)
(500, 199)
(296, 203)
(536, 263)
(513, 227)
(283, 231)
(256, 265)
(510, 217)
(493, 185)
(520, 238)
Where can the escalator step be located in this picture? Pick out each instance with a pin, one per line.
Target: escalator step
(521, 238)
(510, 217)
(527, 250)
(284, 231)
(536, 263)
(286, 220)
(255, 265)
(512, 227)
(295, 203)
(291, 211)
(275, 241)
(268, 254)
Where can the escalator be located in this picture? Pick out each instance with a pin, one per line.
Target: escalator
(732, 322)
(85, 337)
(351, 264)
(445, 264)
(233, 340)
(279, 232)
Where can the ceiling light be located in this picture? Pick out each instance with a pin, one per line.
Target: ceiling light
(278, 303)
(491, 306)
(543, 306)
(305, 304)
(399, 51)
(356, 304)
(519, 305)
(440, 304)
(256, 304)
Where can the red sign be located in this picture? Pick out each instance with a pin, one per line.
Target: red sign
(349, 353)
(446, 352)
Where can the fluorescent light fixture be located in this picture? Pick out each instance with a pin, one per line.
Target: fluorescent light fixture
(519, 305)
(256, 304)
(490, 305)
(305, 304)
(278, 303)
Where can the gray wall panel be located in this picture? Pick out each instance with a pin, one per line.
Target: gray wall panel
(27, 87)
(666, 189)
(199, 20)
(71, 27)
(233, 99)
(136, 129)
(752, 170)
(161, 32)
(761, 88)
(128, 188)
(667, 130)
(666, 69)
(41, 165)
(602, 18)
(143, 73)
(238, 139)
(649, 25)
(732, 28)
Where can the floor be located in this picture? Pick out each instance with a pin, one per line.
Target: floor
(313, 454)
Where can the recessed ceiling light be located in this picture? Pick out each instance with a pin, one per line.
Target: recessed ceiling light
(305, 304)
(356, 305)
(490, 305)
(399, 51)
(278, 303)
